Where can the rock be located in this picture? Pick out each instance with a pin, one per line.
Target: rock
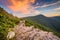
(11, 35)
(31, 33)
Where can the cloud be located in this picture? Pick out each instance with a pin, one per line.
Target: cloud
(46, 5)
(57, 9)
(52, 14)
(22, 6)
(36, 12)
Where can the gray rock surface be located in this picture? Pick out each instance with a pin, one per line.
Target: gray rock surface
(31, 33)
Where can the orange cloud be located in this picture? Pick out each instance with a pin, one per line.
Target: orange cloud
(53, 14)
(56, 9)
(22, 6)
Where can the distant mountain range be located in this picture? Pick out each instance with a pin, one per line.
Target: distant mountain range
(51, 22)
(51, 14)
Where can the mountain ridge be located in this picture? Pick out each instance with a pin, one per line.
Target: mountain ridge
(31, 33)
(50, 22)
(47, 19)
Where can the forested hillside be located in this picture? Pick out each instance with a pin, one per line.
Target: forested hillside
(6, 21)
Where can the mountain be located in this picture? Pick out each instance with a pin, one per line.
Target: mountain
(55, 22)
(31, 33)
(8, 22)
(57, 18)
(50, 22)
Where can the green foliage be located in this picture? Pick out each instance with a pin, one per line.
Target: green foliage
(6, 21)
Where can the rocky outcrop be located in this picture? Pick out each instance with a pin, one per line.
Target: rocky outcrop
(30, 33)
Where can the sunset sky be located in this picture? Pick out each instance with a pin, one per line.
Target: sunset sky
(23, 8)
